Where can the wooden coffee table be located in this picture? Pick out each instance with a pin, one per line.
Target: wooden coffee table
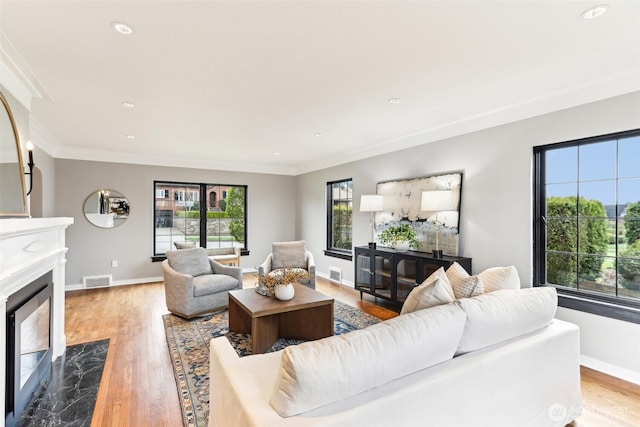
(308, 316)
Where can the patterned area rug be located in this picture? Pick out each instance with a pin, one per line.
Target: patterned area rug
(188, 342)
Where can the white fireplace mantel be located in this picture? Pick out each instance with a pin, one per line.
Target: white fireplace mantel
(29, 248)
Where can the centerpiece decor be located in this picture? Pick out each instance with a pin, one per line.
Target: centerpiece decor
(400, 237)
(280, 282)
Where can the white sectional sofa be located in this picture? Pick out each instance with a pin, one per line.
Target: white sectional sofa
(498, 359)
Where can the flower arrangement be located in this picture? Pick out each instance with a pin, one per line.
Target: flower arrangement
(282, 276)
(401, 233)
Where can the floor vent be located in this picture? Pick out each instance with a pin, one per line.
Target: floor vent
(335, 274)
(103, 281)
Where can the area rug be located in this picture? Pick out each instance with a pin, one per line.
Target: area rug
(188, 342)
(68, 396)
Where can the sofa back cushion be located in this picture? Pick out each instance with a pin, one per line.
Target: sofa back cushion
(289, 254)
(194, 261)
(505, 314)
(317, 373)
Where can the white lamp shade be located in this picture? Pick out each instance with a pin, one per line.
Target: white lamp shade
(371, 203)
(440, 200)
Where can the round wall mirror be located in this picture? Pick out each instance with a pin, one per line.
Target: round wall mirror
(106, 208)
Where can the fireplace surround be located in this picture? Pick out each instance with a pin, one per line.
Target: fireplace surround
(29, 249)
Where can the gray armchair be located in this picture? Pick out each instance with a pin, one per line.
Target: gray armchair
(290, 255)
(195, 285)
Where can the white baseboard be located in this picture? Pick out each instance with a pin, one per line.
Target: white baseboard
(609, 369)
(76, 287)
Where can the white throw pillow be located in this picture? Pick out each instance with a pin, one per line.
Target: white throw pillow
(427, 295)
(505, 314)
(464, 285)
(317, 373)
(468, 287)
(497, 278)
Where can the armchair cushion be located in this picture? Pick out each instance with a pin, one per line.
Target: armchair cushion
(193, 262)
(289, 254)
(213, 283)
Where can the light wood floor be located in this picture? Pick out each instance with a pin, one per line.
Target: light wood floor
(138, 387)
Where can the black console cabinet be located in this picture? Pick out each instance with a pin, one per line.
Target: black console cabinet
(394, 274)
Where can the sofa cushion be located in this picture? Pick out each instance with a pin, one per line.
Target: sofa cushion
(497, 278)
(505, 314)
(184, 245)
(289, 254)
(207, 284)
(316, 373)
(428, 294)
(192, 261)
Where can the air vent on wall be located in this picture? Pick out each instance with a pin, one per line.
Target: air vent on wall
(102, 281)
(335, 274)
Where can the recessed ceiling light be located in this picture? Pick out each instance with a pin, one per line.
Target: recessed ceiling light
(276, 154)
(394, 100)
(594, 12)
(131, 137)
(317, 134)
(128, 104)
(122, 28)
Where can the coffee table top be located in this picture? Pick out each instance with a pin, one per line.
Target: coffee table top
(260, 305)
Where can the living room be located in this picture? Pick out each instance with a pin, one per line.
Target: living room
(493, 148)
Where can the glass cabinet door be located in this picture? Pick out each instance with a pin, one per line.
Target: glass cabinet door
(382, 274)
(364, 278)
(405, 278)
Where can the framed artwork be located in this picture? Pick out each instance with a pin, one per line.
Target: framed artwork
(403, 203)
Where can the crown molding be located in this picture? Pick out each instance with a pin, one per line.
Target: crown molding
(621, 83)
(12, 76)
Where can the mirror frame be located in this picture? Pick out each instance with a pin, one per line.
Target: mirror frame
(25, 210)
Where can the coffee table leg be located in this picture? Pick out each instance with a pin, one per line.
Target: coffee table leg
(264, 332)
(308, 324)
(239, 320)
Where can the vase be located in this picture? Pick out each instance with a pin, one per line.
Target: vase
(285, 292)
(402, 246)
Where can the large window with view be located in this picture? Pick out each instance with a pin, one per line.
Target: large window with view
(587, 223)
(207, 215)
(339, 217)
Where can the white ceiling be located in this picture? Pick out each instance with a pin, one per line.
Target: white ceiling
(225, 85)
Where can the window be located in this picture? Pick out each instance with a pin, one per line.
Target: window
(587, 223)
(339, 215)
(215, 223)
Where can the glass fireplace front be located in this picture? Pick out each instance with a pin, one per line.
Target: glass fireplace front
(28, 343)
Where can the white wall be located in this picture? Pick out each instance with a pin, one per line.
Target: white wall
(271, 215)
(496, 207)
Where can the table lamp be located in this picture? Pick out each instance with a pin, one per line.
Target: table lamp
(371, 203)
(437, 201)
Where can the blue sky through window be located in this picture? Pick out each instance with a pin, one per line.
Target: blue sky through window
(594, 167)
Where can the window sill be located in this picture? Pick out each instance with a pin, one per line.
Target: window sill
(600, 306)
(339, 254)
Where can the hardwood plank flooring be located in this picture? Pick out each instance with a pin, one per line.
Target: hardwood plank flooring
(138, 387)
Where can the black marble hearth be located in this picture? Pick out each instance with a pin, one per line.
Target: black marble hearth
(68, 397)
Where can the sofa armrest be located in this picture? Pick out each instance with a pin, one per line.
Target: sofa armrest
(311, 265)
(234, 396)
(178, 287)
(265, 267)
(235, 272)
